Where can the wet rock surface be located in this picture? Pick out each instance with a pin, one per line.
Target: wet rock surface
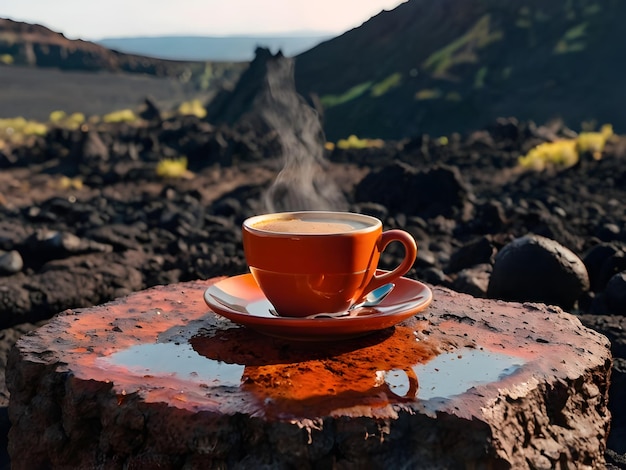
(458, 383)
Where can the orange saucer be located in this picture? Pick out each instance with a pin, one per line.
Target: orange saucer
(240, 299)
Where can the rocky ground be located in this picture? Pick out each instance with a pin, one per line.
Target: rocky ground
(84, 218)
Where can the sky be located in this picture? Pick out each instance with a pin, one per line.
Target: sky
(93, 20)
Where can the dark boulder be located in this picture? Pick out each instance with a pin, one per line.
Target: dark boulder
(45, 245)
(615, 294)
(597, 260)
(536, 269)
(478, 251)
(439, 190)
(474, 280)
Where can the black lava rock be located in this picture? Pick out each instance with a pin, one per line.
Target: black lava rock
(536, 269)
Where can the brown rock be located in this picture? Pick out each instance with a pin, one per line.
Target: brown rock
(156, 379)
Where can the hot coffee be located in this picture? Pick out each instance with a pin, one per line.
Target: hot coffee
(311, 262)
(309, 225)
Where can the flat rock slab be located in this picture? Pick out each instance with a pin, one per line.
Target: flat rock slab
(157, 380)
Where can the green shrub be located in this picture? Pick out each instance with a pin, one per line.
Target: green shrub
(561, 153)
(123, 115)
(462, 50)
(566, 152)
(572, 40)
(428, 94)
(172, 168)
(328, 101)
(353, 142)
(61, 119)
(594, 142)
(385, 85)
(15, 129)
(192, 108)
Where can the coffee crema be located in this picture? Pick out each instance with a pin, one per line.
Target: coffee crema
(321, 226)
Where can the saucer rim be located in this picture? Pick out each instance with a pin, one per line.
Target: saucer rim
(325, 328)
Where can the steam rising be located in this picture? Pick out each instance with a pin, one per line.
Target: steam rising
(302, 184)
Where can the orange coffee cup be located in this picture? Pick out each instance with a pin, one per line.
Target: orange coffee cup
(312, 262)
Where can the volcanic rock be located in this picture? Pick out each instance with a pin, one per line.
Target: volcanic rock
(439, 190)
(45, 245)
(615, 294)
(537, 269)
(478, 251)
(540, 401)
(230, 106)
(10, 262)
(595, 259)
(474, 280)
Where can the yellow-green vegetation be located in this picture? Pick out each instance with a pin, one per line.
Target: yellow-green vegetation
(204, 82)
(192, 108)
(22, 126)
(463, 49)
(428, 94)
(592, 9)
(70, 183)
(561, 153)
(15, 130)
(572, 40)
(61, 119)
(566, 152)
(123, 115)
(6, 59)
(173, 168)
(524, 19)
(453, 96)
(353, 142)
(594, 142)
(382, 87)
(328, 101)
(479, 78)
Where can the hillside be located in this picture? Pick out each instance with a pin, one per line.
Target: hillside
(36, 45)
(456, 65)
(42, 71)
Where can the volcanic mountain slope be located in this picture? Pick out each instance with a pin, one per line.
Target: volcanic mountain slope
(36, 45)
(42, 71)
(457, 65)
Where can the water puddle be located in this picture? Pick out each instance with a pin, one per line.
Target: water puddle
(322, 383)
(454, 373)
(179, 361)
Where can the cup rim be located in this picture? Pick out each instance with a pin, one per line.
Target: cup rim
(373, 223)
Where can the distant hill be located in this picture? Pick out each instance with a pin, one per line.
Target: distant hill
(42, 71)
(35, 45)
(456, 65)
(229, 48)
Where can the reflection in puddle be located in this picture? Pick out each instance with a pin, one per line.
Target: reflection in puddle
(443, 376)
(175, 360)
(454, 373)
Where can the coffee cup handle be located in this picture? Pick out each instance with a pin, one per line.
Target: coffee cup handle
(413, 383)
(410, 254)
